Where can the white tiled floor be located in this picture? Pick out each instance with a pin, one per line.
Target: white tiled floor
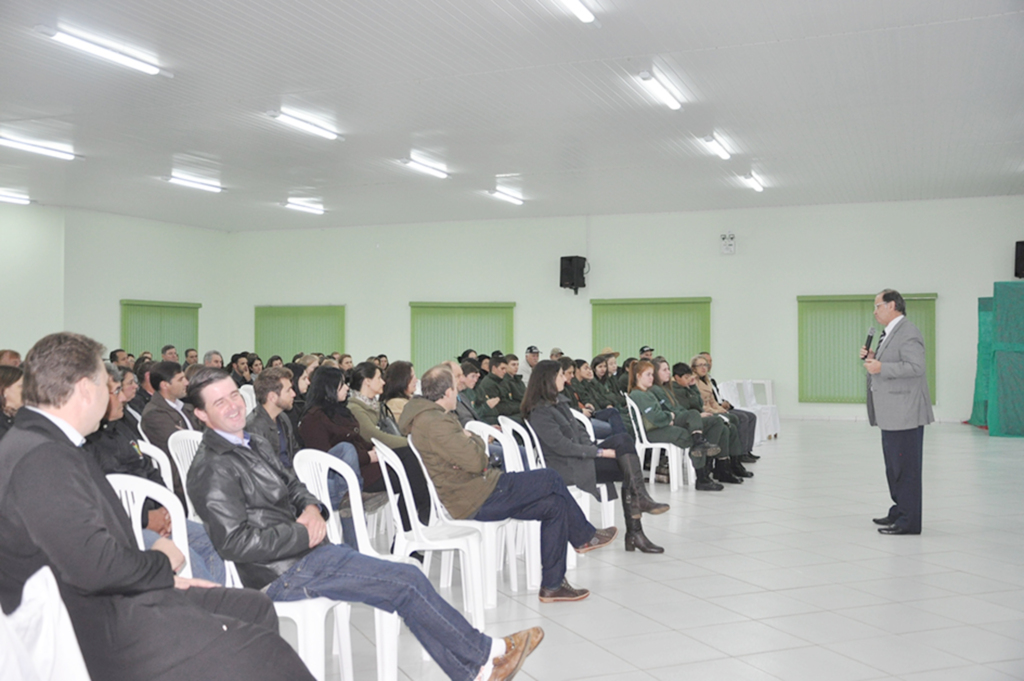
(785, 577)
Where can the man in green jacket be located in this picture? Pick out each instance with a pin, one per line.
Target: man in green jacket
(684, 386)
(493, 385)
(513, 379)
(457, 463)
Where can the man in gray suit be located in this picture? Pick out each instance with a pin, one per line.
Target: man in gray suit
(899, 403)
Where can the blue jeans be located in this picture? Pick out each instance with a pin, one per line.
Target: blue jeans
(205, 561)
(341, 573)
(336, 485)
(495, 450)
(541, 495)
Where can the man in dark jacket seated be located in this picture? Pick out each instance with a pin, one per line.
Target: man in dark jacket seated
(135, 620)
(457, 462)
(260, 516)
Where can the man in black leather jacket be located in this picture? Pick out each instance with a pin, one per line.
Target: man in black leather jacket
(263, 518)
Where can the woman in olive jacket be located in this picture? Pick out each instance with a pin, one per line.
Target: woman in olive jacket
(569, 450)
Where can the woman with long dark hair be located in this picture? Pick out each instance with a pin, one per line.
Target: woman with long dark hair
(399, 386)
(660, 425)
(568, 449)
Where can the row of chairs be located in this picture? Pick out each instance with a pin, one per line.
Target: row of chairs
(742, 394)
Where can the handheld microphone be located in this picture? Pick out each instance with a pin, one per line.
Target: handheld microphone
(871, 337)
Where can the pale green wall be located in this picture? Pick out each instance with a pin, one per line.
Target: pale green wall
(955, 248)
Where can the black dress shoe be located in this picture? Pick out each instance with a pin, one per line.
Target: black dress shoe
(883, 521)
(749, 458)
(895, 529)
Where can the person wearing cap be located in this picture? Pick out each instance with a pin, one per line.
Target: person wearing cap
(556, 353)
(647, 352)
(532, 356)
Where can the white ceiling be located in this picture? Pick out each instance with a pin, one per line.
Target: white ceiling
(828, 102)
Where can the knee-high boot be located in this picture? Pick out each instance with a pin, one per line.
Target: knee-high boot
(635, 537)
(723, 471)
(633, 479)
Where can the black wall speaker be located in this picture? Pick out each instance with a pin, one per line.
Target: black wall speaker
(1018, 269)
(572, 272)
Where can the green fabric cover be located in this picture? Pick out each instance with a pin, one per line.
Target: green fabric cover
(1006, 383)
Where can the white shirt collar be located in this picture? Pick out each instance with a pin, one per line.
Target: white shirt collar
(891, 325)
(242, 441)
(180, 407)
(77, 439)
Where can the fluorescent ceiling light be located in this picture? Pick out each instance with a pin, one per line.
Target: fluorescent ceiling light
(580, 10)
(296, 121)
(505, 196)
(716, 147)
(37, 149)
(424, 168)
(100, 51)
(195, 183)
(659, 90)
(8, 197)
(752, 182)
(305, 207)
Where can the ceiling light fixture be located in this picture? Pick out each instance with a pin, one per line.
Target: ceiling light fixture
(8, 197)
(300, 205)
(424, 168)
(296, 121)
(753, 182)
(659, 90)
(37, 149)
(504, 195)
(195, 183)
(100, 51)
(716, 147)
(580, 10)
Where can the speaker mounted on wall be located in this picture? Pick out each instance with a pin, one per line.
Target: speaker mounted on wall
(573, 273)
(1018, 268)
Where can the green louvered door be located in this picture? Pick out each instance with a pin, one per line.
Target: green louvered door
(287, 330)
(677, 328)
(150, 325)
(441, 331)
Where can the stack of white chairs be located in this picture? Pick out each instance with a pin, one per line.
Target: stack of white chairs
(767, 414)
(439, 535)
(679, 463)
(249, 396)
(312, 467)
(183, 445)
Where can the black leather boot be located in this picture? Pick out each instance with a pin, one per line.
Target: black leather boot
(738, 469)
(636, 539)
(704, 481)
(633, 480)
(702, 446)
(723, 472)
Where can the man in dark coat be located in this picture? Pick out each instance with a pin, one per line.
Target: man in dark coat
(134, 619)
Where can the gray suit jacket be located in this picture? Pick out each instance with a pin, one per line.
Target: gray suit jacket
(898, 397)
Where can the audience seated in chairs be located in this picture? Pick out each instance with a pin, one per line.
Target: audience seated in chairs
(458, 465)
(569, 450)
(134, 619)
(660, 425)
(492, 386)
(746, 422)
(165, 413)
(261, 517)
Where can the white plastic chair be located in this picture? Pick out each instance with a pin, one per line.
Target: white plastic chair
(767, 414)
(160, 458)
(249, 396)
(312, 467)
(607, 505)
(527, 531)
(133, 492)
(438, 536)
(678, 461)
(37, 641)
(183, 445)
(491, 532)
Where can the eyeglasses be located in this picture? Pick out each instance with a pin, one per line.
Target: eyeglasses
(116, 391)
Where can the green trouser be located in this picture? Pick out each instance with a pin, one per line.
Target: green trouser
(680, 438)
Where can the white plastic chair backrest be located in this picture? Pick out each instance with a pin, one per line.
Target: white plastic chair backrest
(730, 392)
(440, 511)
(37, 641)
(183, 445)
(249, 396)
(387, 458)
(534, 457)
(312, 467)
(231, 578)
(638, 421)
(582, 418)
(160, 458)
(541, 461)
(509, 448)
(749, 398)
(133, 492)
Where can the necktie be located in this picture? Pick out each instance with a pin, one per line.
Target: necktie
(880, 339)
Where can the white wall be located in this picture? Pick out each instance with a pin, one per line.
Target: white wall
(955, 248)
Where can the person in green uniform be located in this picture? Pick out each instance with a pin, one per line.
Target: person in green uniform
(661, 426)
(513, 379)
(493, 386)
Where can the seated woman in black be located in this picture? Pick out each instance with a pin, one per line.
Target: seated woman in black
(568, 449)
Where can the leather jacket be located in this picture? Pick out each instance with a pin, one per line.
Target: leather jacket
(249, 503)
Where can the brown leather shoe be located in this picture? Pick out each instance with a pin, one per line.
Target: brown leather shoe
(564, 592)
(600, 538)
(518, 647)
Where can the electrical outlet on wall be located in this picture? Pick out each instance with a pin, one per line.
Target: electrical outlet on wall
(728, 244)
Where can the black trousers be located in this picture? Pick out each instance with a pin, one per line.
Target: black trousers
(420, 493)
(746, 423)
(903, 451)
